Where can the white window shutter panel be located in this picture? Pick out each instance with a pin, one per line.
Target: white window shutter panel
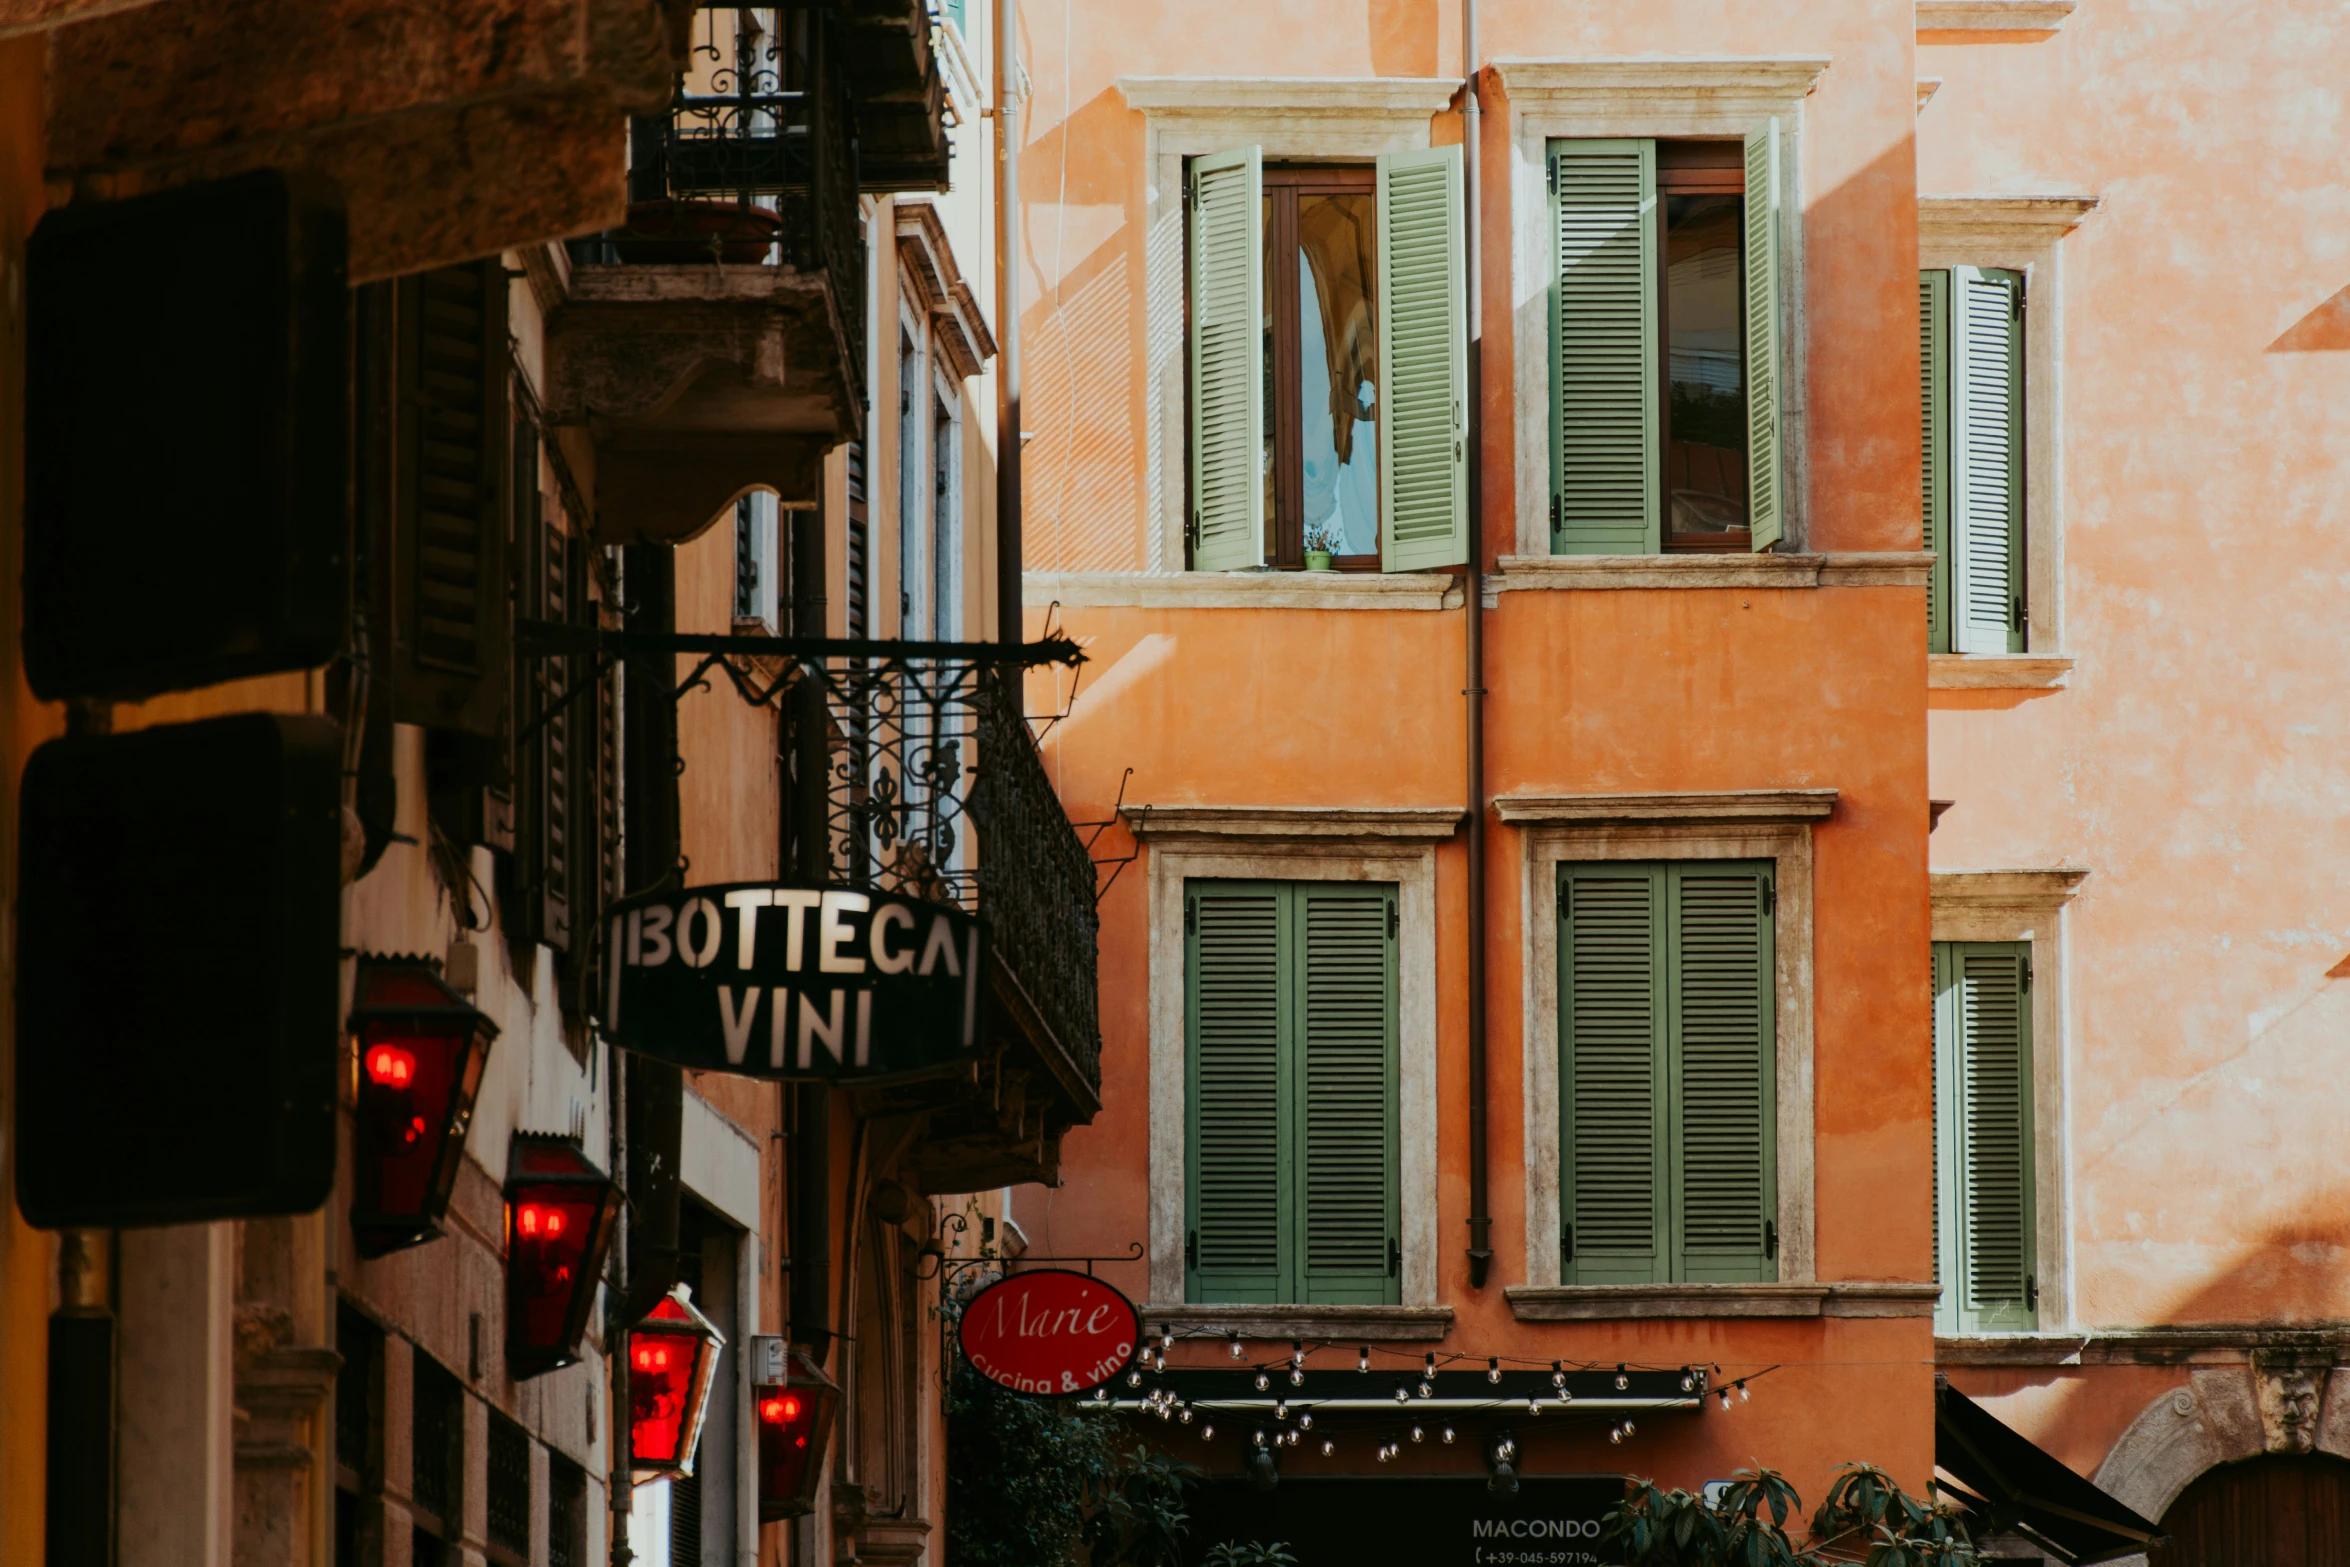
(1228, 456)
(1423, 363)
(1605, 456)
(1986, 452)
(1766, 508)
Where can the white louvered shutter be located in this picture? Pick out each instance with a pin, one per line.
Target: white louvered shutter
(1229, 454)
(1345, 1066)
(1423, 363)
(1765, 458)
(1604, 426)
(1986, 449)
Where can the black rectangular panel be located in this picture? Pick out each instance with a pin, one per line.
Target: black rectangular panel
(178, 931)
(187, 438)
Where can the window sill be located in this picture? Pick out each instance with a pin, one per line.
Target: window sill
(1845, 570)
(2009, 1349)
(1627, 1302)
(1997, 672)
(1242, 589)
(1390, 1323)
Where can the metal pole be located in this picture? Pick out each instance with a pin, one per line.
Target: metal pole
(1480, 1218)
(1007, 323)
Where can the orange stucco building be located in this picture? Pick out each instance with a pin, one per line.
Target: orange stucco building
(2037, 852)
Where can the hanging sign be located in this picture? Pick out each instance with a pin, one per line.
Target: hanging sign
(766, 979)
(1050, 1332)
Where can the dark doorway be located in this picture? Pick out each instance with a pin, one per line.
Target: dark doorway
(2279, 1511)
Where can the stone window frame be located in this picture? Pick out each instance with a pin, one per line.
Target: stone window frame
(2020, 234)
(1298, 843)
(1711, 97)
(1344, 119)
(2027, 906)
(1772, 825)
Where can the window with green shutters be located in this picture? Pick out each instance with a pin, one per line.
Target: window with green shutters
(1667, 1050)
(1328, 363)
(1984, 1172)
(1971, 395)
(1665, 345)
(1290, 1073)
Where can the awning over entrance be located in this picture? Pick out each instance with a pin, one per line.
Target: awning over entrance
(2019, 1489)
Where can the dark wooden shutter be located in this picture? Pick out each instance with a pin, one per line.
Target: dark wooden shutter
(1611, 1018)
(451, 621)
(1719, 1074)
(540, 908)
(1342, 1067)
(1233, 992)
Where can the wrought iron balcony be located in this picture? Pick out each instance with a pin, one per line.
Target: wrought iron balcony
(913, 771)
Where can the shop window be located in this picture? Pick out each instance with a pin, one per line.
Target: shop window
(1984, 1170)
(1666, 1002)
(1291, 1161)
(1328, 363)
(1665, 428)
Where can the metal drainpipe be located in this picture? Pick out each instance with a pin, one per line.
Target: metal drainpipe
(1007, 324)
(1480, 1219)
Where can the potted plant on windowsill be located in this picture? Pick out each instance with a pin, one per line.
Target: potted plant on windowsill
(1320, 546)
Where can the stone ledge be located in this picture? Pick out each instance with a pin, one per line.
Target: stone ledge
(1241, 590)
(1854, 569)
(1772, 806)
(1346, 97)
(1626, 1302)
(1993, 225)
(1992, 16)
(1389, 1323)
(1997, 672)
(2199, 1346)
(1261, 822)
(2035, 891)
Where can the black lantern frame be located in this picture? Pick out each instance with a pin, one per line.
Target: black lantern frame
(561, 1212)
(672, 1360)
(792, 1407)
(418, 1051)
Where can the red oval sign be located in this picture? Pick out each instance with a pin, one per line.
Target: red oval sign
(1050, 1332)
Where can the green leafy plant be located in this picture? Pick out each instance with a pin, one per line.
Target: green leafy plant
(1866, 1517)
(1229, 1553)
(1033, 1482)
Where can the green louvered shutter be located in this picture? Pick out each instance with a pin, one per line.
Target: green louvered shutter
(1765, 482)
(1345, 1030)
(1228, 431)
(1719, 1076)
(1234, 993)
(1987, 469)
(1605, 459)
(1423, 363)
(1983, 1030)
(1611, 1020)
(1934, 448)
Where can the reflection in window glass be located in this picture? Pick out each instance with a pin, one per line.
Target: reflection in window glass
(1338, 373)
(1705, 458)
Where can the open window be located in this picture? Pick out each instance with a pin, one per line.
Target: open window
(1329, 383)
(1665, 344)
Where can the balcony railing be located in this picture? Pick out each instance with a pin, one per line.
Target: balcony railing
(754, 165)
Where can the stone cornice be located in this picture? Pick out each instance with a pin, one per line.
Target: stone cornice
(1241, 590)
(1765, 85)
(1997, 671)
(2218, 1344)
(2024, 891)
(1520, 573)
(1646, 1302)
(1992, 16)
(1962, 221)
(1388, 1323)
(945, 295)
(1247, 824)
(1290, 97)
(1771, 807)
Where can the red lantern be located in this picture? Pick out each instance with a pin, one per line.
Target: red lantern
(421, 1049)
(792, 1402)
(672, 1355)
(560, 1212)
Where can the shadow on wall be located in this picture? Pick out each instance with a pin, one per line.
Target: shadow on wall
(2324, 330)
